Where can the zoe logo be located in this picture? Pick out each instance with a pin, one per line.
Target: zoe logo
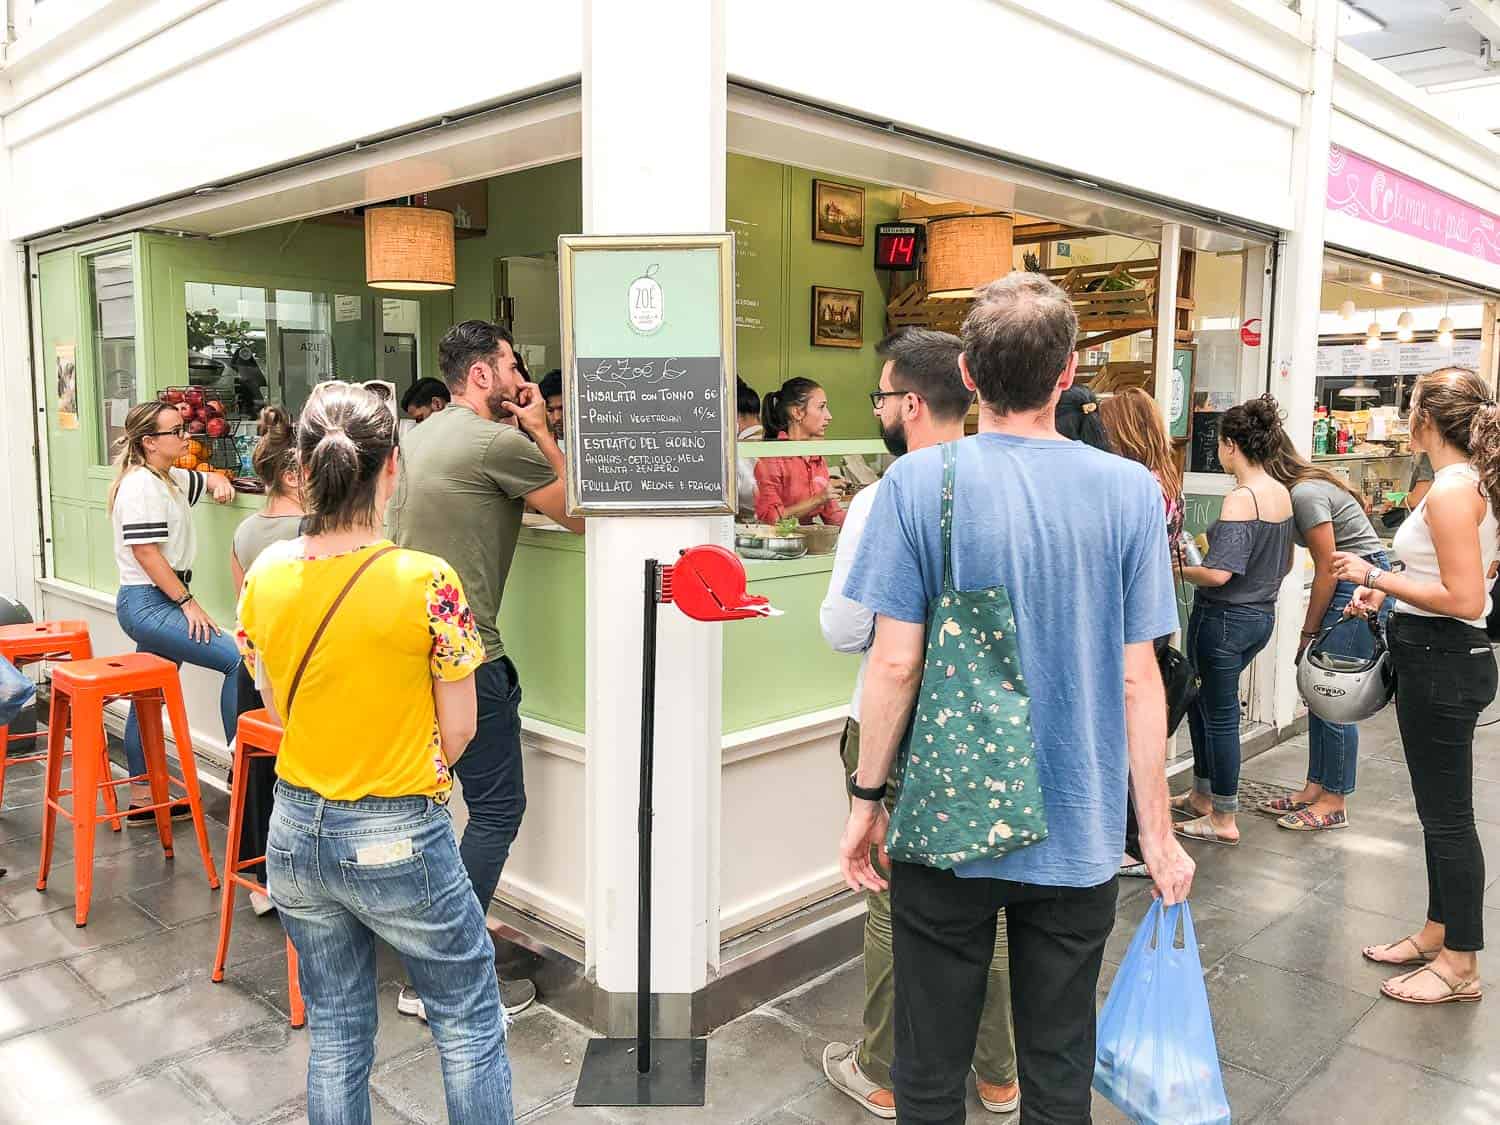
(1329, 692)
(644, 304)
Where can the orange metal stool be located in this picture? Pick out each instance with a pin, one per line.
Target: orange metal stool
(29, 644)
(258, 737)
(80, 690)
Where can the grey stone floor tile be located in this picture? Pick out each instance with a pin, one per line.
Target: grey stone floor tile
(1357, 1087)
(828, 1106)
(157, 1100)
(784, 1117)
(832, 1008)
(1250, 880)
(50, 937)
(116, 873)
(756, 1065)
(566, 1113)
(184, 899)
(113, 1045)
(161, 961)
(1455, 1040)
(1274, 1022)
(380, 1114)
(1219, 931)
(41, 997)
(1324, 939)
(1397, 889)
(253, 1076)
(18, 822)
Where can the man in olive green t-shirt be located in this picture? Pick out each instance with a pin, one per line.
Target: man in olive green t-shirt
(466, 474)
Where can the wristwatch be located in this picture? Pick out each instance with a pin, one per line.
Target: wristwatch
(1375, 572)
(865, 793)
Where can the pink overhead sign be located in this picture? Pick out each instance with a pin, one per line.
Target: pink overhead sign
(1377, 194)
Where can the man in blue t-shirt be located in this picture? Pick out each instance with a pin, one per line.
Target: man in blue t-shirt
(1078, 539)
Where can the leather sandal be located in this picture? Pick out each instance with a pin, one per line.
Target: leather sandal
(1202, 829)
(1183, 804)
(1280, 806)
(1459, 991)
(1423, 956)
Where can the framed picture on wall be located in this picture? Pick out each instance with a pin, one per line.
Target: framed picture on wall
(838, 213)
(837, 317)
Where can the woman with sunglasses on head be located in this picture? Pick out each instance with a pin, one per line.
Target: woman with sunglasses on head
(1445, 672)
(361, 845)
(150, 508)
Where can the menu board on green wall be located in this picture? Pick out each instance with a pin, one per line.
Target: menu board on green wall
(648, 373)
(756, 211)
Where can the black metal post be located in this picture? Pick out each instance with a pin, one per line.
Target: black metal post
(643, 828)
(640, 1071)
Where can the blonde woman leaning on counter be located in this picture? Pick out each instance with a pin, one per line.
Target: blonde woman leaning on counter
(150, 508)
(920, 401)
(1445, 672)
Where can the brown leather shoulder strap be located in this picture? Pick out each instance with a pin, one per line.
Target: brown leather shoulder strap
(291, 695)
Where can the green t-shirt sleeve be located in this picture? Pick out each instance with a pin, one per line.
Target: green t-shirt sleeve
(516, 465)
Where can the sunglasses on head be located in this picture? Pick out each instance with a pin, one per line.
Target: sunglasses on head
(176, 431)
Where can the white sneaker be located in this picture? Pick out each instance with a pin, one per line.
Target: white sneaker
(841, 1065)
(408, 1003)
(261, 903)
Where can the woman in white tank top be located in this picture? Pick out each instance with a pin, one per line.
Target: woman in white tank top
(1445, 672)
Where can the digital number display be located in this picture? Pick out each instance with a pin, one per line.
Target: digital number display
(897, 246)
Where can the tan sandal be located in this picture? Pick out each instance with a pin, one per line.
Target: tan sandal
(1423, 957)
(1182, 804)
(1202, 829)
(1459, 991)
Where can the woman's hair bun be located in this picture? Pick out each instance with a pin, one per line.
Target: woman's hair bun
(274, 422)
(1254, 426)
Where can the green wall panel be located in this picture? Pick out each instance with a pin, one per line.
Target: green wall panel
(70, 540)
(756, 209)
(780, 667)
(542, 625)
(528, 210)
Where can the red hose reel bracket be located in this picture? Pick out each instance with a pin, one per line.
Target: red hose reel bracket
(708, 583)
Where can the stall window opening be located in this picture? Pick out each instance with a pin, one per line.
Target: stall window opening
(112, 297)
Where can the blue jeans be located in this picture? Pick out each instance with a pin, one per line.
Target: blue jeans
(490, 773)
(1333, 748)
(1222, 640)
(335, 899)
(157, 626)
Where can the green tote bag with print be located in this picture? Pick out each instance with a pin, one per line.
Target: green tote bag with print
(969, 787)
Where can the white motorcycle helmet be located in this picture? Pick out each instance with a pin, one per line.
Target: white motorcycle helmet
(1346, 689)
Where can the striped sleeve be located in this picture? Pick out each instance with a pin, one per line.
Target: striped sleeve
(193, 483)
(141, 509)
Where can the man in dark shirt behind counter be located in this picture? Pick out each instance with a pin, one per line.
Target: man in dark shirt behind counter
(466, 473)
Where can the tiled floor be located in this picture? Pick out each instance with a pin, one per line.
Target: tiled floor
(118, 1022)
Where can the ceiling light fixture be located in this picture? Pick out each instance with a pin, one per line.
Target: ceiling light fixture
(1348, 310)
(1376, 278)
(1361, 389)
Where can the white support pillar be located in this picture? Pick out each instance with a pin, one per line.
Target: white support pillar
(653, 163)
(1164, 340)
(1295, 346)
(20, 545)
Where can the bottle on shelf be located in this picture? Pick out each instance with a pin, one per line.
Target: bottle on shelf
(1344, 438)
(1320, 431)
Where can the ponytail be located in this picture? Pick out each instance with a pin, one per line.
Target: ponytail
(775, 408)
(1484, 451)
(344, 439)
(275, 451)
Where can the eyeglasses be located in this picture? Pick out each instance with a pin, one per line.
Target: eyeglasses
(177, 431)
(877, 398)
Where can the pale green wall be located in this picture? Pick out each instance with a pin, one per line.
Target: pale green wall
(771, 206)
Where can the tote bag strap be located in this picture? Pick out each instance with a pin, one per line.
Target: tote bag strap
(950, 472)
(291, 695)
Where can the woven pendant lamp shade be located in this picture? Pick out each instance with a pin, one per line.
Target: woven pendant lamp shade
(408, 248)
(965, 252)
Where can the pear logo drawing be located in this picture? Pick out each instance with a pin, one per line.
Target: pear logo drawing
(645, 303)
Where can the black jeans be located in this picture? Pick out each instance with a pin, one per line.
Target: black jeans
(1445, 676)
(943, 937)
(490, 773)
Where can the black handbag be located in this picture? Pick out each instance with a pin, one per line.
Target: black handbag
(1181, 682)
(1178, 676)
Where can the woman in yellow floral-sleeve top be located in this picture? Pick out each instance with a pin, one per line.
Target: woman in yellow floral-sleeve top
(361, 844)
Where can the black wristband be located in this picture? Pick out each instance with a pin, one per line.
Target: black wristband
(863, 793)
(182, 601)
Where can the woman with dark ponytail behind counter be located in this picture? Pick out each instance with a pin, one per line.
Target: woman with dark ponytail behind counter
(797, 488)
(1445, 672)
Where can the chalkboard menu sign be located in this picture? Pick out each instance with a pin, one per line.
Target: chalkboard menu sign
(1204, 452)
(648, 369)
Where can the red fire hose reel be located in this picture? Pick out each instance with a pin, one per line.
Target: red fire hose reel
(708, 584)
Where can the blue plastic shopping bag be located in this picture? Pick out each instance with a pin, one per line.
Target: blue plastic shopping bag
(1157, 1060)
(16, 691)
